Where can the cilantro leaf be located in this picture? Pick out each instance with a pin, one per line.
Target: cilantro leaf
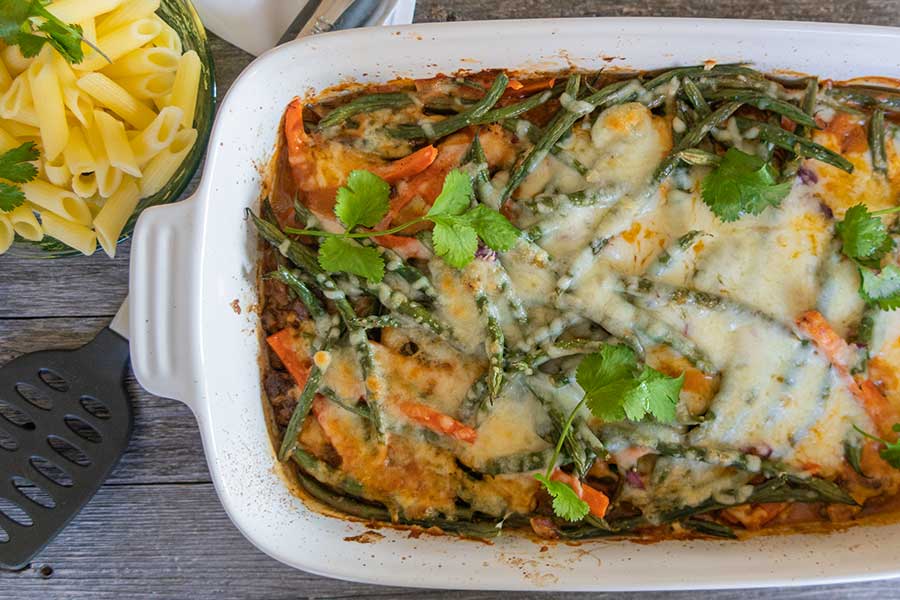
(454, 241)
(891, 451)
(364, 200)
(492, 227)
(881, 289)
(864, 238)
(566, 503)
(455, 196)
(15, 164)
(742, 184)
(336, 254)
(13, 14)
(11, 197)
(16, 28)
(616, 389)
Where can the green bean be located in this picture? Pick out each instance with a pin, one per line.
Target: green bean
(439, 129)
(703, 70)
(360, 410)
(766, 102)
(363, 104)
(340, 502)
(581, 454)
(724, 458)
(672, 253)
(789, 171)
(534, 134)
(711, 528)
(394, 263)
(798, 145)
(377, 322)
(695, 97)
(396, 301)
(853, 456)
(494, 345)
(304, 403)
(865, 332)
(869, 97)
(474, 401)
(596, 196)
(309, 300)
(699, 158)
(695, 136)
(563, 121)
(520, 462)
(876, 141)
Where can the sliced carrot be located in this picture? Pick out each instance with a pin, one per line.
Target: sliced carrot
(408, 166)
(405, 246)
(838, 353)
(437, 421)
(518, 88)
(597, 501)
(284, 345)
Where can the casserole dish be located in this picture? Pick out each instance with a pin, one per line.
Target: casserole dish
(190, 262)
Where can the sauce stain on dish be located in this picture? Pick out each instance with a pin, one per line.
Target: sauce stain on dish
(366, 537)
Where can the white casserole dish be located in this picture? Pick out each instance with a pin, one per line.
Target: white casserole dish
(192, 259)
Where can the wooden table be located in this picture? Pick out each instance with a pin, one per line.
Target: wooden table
(156, 529)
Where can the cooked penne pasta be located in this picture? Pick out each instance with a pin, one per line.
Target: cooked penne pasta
(57, 172)
(77, 11)
(16, 103)
(118, 150)
(51, 109)
(7, 233)
(19, 129)
(143, 60)
(89, 33)
(78, 156)
(168, 38)
(114, 97)
(108, 177)
(115, 212)
(157, 136)
(72, 234)
(130, 11)
(7, 142)
(184, 90)
(163, 166)
(5, 77)
(149, 85)
(25, 223)
(119, 42)
(55, 199)
(15, 62)
(84, 184)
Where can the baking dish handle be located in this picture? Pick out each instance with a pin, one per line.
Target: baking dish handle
(164, 286)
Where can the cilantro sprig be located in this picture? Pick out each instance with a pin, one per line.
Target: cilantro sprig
(29, 25)
(365, 201)
(891, 451)
(865, 240)
(615, 388)
(742, 184)
(16, 167)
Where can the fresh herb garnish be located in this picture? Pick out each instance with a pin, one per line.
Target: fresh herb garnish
(865, 240)
(891, 451)
(742, 184)
(615, 388)
(364, 201)
(16, 166)
(29, 25)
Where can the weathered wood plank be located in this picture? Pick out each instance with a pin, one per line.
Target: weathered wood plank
(175, 541)
(872, 12)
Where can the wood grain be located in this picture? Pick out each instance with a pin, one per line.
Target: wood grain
(156, 528)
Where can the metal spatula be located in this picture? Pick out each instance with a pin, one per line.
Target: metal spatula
(65, 419)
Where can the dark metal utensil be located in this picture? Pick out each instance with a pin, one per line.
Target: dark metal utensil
(65, 419)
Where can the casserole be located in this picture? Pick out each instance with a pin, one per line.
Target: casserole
(191, 260)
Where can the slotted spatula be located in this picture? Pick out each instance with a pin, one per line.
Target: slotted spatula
(65, 419)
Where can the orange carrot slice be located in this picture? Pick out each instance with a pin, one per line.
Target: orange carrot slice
(284, 345)
(408, 166)
(597, 501)
(437, 421)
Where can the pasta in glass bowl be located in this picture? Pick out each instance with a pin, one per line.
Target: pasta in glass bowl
(135, 128)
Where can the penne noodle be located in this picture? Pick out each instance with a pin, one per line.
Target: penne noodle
(108, 178)
(150, 85)
(15, 62)
(5, 77)
(57, 200)
(84, 184)
(51, 109)
(112, 217)
(111, 95)
(157, 136)
(185, 88)
(88, 33)
(7, 142)
(57, 172)
(116, 144)
(119, 42)
(16, 103)
(78, 156)
(25, 223)
(132, 10)
(168, 38)
(77, 11)
(20, 130)
(72, 234)
(162, 167)
(7, 233)
(143, 60)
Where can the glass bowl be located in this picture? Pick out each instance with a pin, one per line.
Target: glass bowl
(180, 14)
